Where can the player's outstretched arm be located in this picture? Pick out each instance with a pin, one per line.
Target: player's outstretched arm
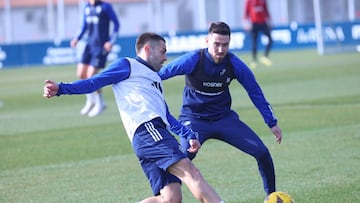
(50, 88)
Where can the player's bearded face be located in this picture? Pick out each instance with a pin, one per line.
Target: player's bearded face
(92, 2)
(158, 55)
(218, 46)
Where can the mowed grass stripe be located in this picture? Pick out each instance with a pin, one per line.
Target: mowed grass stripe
(78, 181)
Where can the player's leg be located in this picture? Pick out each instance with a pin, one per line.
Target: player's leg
(191, 176)
(82, 70)
(267, 32)
(97, 63)
(162, 160)
(254, 36)
(254, 44)
(153, 145)
(166, 187)
(170, 193)
(96, 97)
(238, 134)
(82, 73)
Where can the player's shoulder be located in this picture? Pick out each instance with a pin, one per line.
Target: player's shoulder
(103, 2)
(233, 57)
(236, 61)
(188, 56)
(87, 5)
(197, 53)
(106, 5)
(193, 53)
(120, 62)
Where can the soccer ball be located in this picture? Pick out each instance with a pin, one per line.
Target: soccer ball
(279, 197)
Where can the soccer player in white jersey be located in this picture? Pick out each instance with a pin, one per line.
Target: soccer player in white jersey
(138, 93)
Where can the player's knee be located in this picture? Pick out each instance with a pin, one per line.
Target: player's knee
(191, 173)
(262, 152)
(171, 193)
(173, 199)
(81, 75)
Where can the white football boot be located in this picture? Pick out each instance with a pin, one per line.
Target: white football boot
(88, 105)
(99, 105)
(266, 61)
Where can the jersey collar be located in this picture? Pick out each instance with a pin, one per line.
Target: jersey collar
(144, 63)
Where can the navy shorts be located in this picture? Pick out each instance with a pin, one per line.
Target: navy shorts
(157, 149)
(94, 56)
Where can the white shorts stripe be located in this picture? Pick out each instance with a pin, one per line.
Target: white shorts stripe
(153, 131)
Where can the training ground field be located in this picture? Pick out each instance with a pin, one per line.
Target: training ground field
(50, 153)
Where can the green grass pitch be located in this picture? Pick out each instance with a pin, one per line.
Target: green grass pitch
(49, 153)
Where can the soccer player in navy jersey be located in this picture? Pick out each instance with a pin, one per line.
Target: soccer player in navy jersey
(206, 106)
(139, 96)
(96, 31)
(257, 13)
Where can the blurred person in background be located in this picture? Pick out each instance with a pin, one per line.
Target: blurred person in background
(95, 30)
(257, 19)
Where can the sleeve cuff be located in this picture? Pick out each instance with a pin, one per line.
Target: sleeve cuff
(59, 92)
(272, 123)
(194, 136)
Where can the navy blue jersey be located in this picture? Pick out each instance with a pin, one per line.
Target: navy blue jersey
(210, 84)
(214, 105)
(96, 22)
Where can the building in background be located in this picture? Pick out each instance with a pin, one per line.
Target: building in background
(46, 20)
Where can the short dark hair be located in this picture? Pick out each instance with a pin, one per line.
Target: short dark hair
(145, 38)
(219, 28)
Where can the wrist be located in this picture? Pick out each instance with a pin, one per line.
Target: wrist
(194, 135)
(272, 123)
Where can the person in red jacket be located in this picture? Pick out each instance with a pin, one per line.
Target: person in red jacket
(257, 13)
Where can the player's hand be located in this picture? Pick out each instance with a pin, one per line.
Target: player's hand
(276, 130)
(50, 89)
(108, 46)
(194, 146)
(73, 42)
(247, 25)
